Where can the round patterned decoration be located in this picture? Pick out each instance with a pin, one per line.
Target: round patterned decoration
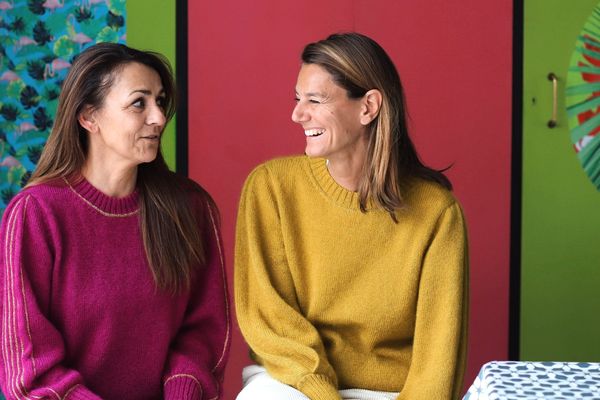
(583, 97)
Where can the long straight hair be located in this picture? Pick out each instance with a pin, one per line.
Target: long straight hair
(171, 225)
(358, 64)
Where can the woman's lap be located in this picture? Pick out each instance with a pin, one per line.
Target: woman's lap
(258, 384)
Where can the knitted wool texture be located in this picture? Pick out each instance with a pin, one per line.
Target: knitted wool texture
(328, 297)
(81, 316)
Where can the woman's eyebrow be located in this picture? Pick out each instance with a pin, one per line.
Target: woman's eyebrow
(146, 91)
(316, 94)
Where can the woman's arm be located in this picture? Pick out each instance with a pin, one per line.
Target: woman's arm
(282, 339)
(198, 354)
(440, 339)
(32, 348)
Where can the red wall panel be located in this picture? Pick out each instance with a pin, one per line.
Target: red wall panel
(455, 61)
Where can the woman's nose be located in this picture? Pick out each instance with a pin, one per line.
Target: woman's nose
(299, 114)
(156, 116)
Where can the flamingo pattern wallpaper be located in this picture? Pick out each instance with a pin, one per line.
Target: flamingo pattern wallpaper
(38, 42)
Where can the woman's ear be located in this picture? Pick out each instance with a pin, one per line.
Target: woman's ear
(371, 106)
(86, 119)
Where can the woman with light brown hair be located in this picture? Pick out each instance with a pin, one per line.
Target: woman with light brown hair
(351, 267)
(111, 265)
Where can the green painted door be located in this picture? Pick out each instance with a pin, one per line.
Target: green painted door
(560, 262)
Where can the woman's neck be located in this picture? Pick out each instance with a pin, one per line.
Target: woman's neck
(112, 181)
(347, 170)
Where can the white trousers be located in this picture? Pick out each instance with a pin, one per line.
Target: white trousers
(259, 385)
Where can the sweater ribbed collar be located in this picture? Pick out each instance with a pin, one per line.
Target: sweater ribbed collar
(105, 205)
(339, 194)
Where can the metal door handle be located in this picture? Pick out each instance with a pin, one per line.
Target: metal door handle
(552, 77)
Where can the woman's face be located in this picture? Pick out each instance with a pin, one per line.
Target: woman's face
(126, 129)
(330, 119)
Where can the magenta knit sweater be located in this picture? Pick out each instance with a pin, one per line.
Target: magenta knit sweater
(81, 317)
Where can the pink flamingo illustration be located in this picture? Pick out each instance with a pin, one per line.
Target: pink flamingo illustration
(10, 161)
(57, 64)
(53, 4)
(25, 41)
(76, 37)
(22, 42)
(9, 76)
(26, 127)
(81, 38)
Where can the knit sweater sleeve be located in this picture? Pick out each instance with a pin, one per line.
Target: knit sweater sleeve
(272, 323)
(198, 354)
(440, 337)
(32, 348)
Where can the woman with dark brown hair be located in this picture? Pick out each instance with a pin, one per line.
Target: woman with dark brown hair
(111, 265)
(351, 268)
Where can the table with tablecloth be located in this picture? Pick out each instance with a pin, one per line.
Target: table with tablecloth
(526, 380)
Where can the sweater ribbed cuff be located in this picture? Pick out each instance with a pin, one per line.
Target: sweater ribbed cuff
(80, 392)
(182, 387)
(318, 387)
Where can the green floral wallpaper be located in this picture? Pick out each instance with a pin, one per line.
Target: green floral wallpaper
(38, 41)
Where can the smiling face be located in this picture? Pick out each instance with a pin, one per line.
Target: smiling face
(126, 129)
(330, 119)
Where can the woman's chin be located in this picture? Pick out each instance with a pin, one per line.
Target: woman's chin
(313, 152)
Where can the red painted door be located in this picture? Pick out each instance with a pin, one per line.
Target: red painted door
(455, 61)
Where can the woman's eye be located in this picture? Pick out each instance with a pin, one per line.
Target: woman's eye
(139, 103)
(161, 101)
(313, 101)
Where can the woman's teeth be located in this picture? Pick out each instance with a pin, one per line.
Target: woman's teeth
(314, 132)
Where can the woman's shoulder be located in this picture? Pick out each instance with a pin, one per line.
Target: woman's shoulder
(40, 198)
(198, 197)
(283, 164)
(279, 168)
(431, 195)
(192, 197)
(46, 192)
(193, 191)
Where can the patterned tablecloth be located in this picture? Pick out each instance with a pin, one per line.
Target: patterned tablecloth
(524, 380)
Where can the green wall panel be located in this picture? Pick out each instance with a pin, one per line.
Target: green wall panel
(151, 26)
(560, 262)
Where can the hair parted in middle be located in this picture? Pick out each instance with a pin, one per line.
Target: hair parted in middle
(358, 64)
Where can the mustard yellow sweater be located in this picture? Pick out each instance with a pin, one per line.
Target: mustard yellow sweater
(331, 298)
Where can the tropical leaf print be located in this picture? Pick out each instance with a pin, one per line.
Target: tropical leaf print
(41, 34)
(36, 6)
(83, 14)
(583, 97)
(41, 120)
(29, 97)
(38, 42)
(9, 112)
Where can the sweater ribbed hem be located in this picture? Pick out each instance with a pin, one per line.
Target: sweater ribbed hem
(112, 206)
(80, 392)
(318, 387)
(182, 388)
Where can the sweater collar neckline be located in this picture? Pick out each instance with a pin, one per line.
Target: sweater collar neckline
(339, 194)
(105, 205)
